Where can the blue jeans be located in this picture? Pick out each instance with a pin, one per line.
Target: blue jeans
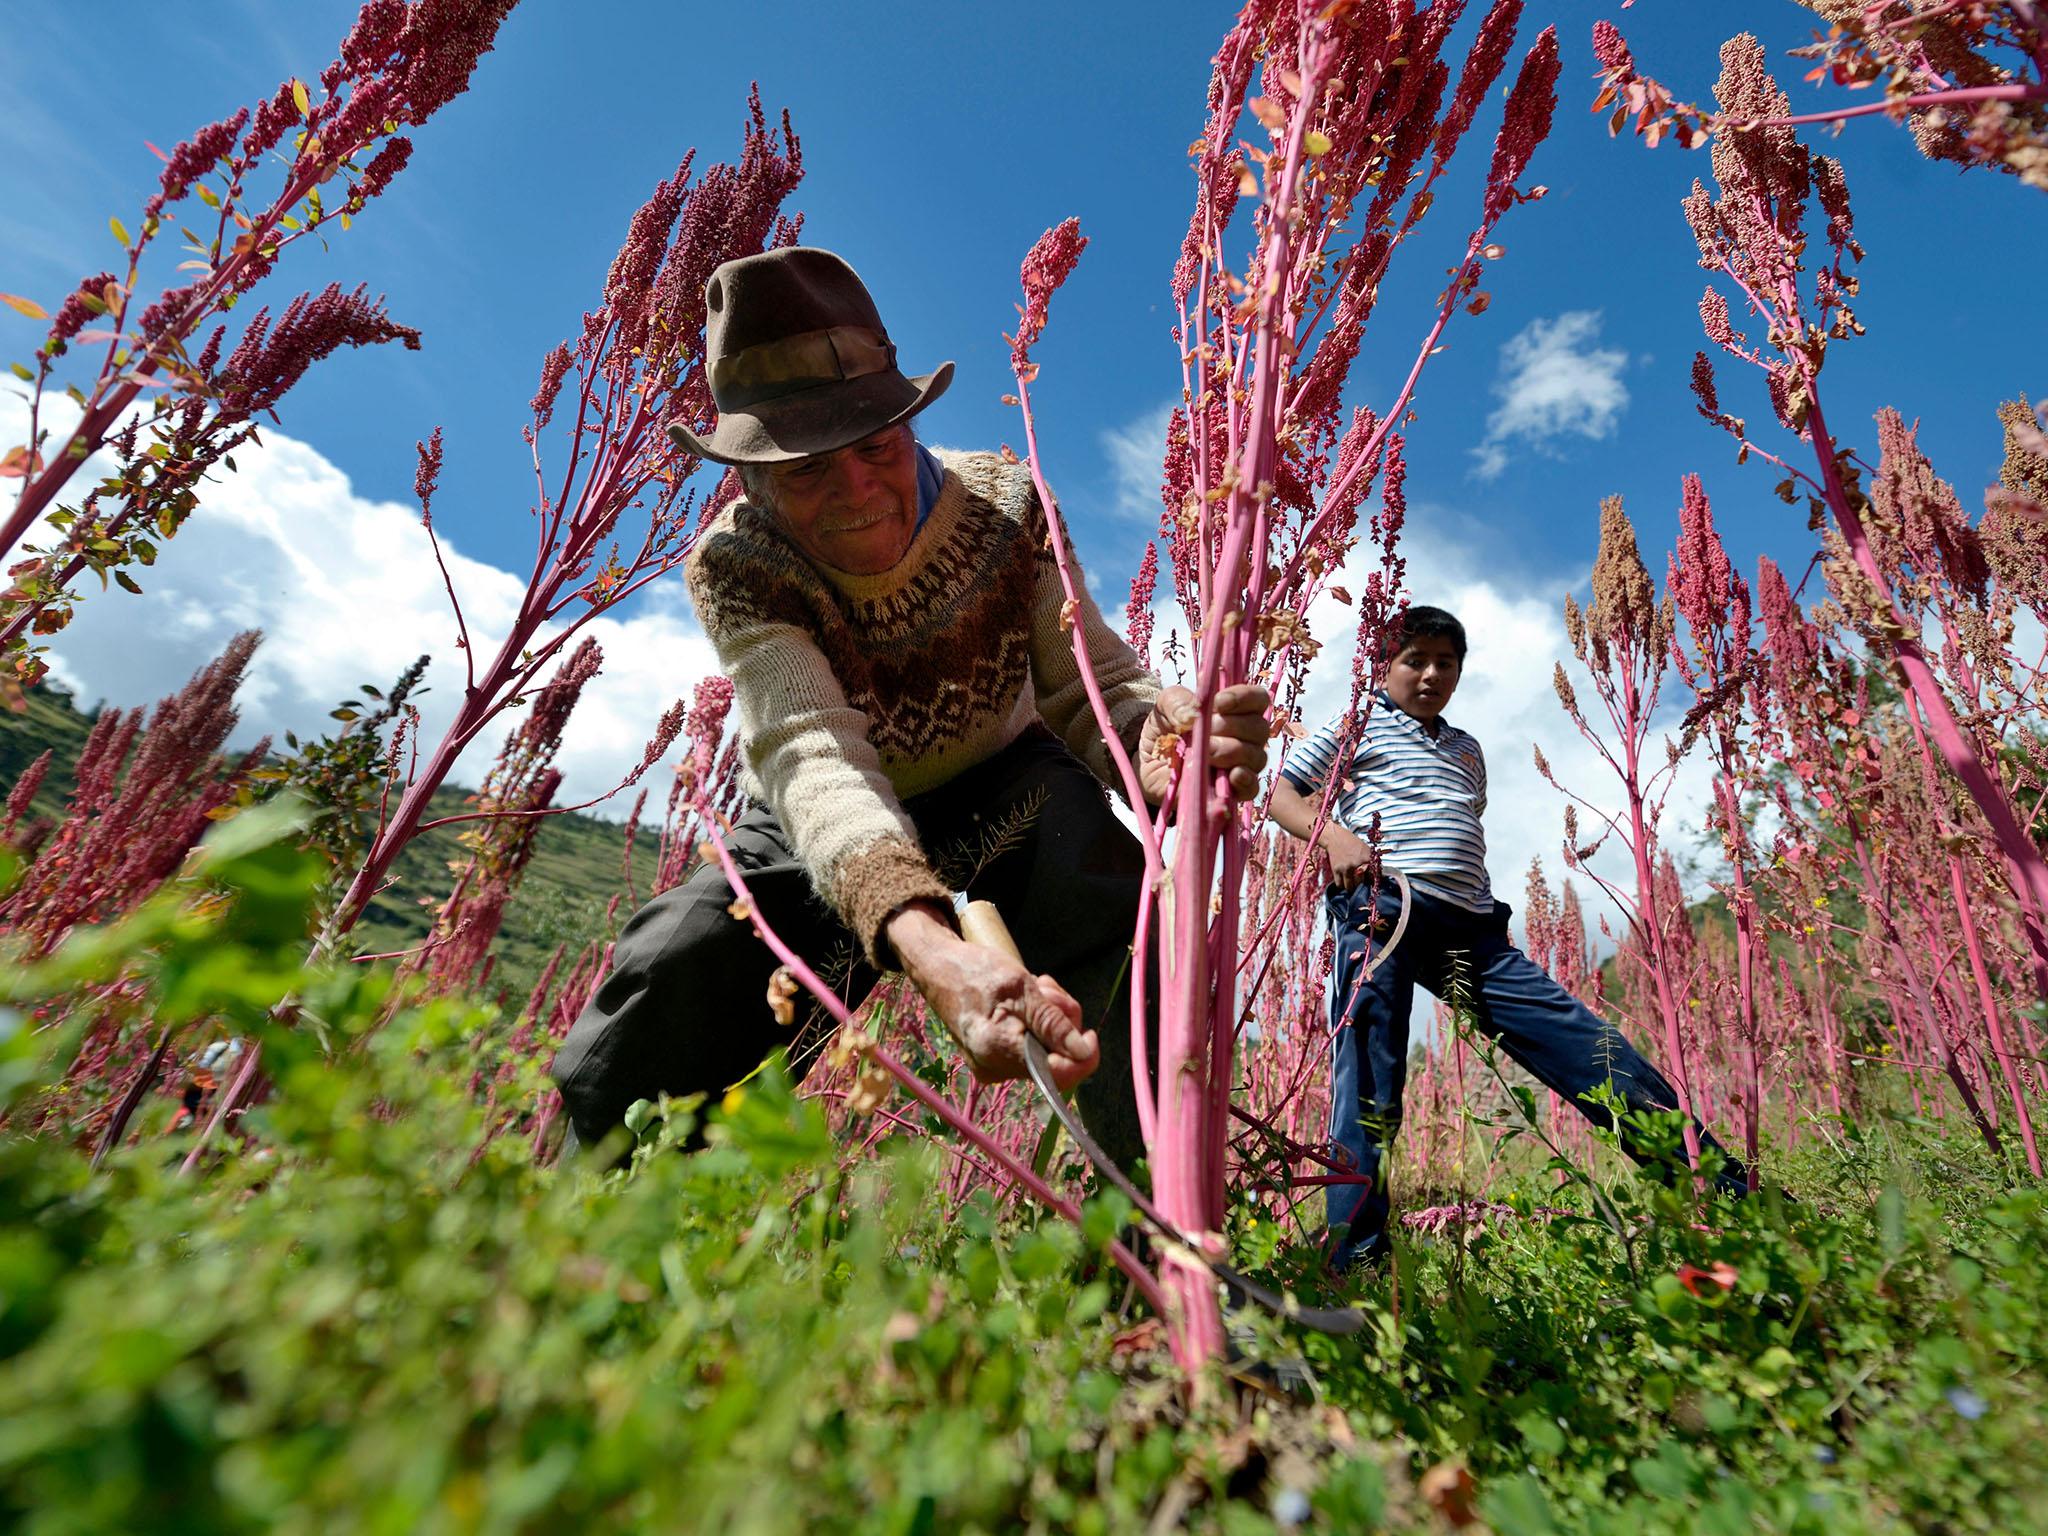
(1561, 1041)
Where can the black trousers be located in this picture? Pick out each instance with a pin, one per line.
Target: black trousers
(684, 1007)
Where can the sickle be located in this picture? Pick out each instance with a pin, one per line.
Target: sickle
(981, 923)
(1179, 1246)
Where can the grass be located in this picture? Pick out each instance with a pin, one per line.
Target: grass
(371, 1316)
(364, 1331)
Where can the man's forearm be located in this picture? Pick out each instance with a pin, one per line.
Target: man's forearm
(915, 931)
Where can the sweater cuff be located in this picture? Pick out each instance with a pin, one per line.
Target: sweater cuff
(872, 884)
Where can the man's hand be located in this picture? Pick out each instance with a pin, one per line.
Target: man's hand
(1237, 738)
(988, 1002)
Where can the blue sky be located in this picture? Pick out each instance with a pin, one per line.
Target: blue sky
(940, 139)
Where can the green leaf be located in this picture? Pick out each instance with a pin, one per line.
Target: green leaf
(1719, 1413)
(120, 231)
(1668, 1475)
(1891, 1221)
(1776, 1365)
(22, 372)
(127, 582)
(1540, 1433)
(280, 821)
(1471, 1365)
(1520, 1505)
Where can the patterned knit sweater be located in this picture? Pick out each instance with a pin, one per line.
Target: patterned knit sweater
(857, 692)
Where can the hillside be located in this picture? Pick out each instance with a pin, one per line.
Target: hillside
(577, 864)
(52, 721)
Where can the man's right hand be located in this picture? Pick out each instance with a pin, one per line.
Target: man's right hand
(988, 1002)
(1348, 854)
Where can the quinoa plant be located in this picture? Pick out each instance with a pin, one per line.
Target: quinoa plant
(1354, 119)
(1968, 77)
(635, 366)
(169, 397)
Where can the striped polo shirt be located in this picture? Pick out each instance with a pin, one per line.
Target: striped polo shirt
(1428, 792)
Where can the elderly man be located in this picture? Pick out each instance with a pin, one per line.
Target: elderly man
(913, 723)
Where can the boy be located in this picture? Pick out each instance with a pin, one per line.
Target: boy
(1425, 780)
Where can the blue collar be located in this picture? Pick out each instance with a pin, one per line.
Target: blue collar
(931, 479)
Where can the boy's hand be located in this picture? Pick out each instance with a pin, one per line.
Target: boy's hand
(1348, 855)
(1237, 737)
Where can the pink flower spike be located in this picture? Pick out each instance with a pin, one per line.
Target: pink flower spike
(1049, 264)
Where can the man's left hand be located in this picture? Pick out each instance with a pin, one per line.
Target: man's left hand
(1237, 738)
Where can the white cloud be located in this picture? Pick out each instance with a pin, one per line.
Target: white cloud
(346, 591)
(1553, 383)
(1137, 452)
(1516, 630)
(1506, 699)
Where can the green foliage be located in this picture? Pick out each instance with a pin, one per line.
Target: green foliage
(1864, 1364)
(347, 773)
(373, 1316)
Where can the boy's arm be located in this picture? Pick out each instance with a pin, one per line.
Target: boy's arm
(1291, 810)
(1295, 813)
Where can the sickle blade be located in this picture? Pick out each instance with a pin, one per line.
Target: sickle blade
(1339, 1321)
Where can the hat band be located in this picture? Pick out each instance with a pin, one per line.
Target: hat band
(804, 361)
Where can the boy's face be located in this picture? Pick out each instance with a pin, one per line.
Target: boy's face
(1423, 676)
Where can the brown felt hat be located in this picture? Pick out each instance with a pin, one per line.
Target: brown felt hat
(798, 361)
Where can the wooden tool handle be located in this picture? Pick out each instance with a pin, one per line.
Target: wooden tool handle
(981, 923)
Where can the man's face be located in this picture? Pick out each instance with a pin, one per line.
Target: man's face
(1424, 676)
(855, 508)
